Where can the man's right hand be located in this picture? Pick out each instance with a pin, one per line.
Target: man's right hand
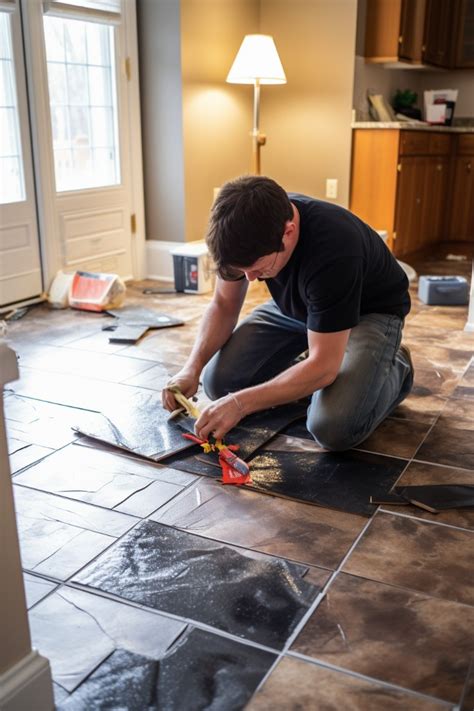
(186, 381)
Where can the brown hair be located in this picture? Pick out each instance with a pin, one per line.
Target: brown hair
(247, 222)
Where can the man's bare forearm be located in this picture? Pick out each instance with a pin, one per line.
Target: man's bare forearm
(214, 330)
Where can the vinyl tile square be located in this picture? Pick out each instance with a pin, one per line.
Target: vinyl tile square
(255, 597)
(297, 684)
(77, 631)
(417, 555)
(148, 500)
(155, 378)
(339, 480)
(99, 477)
(27, 456)
(397, 438)
(448, 445)
(201, 671)
(36, 588)
(399, 636)
(288, 529)
(59, 536)
(419, 474)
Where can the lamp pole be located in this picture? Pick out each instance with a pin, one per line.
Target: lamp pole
(258, 139)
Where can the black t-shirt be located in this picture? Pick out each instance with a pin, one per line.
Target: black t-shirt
(339, 270)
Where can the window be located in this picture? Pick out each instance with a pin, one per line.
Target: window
(12, 184)
(82, 93)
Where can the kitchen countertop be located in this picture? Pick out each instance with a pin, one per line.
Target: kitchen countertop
(412, 126)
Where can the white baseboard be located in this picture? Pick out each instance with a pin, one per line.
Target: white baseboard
(159, 262)
(27, 685)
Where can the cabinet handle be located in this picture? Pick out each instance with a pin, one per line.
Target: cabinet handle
(400, 39)
(418, 200)
(439, 166)
(399, 167)
(468, 167)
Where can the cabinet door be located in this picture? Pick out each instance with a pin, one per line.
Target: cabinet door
(433, 211)
(408, 220)
(461, 226)
(464, 34)
(411, 29)
(439, 32)
(382, 30)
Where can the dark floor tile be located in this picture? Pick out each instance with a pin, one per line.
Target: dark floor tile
(448, 445)
(155, 378)
(36, 588)
(77, 631)
(59, 536)
(41, 423)
(420, 406)
(103, 478)
(435, 381)
(339, 480)
(261, 599)
(419, 642)
(458, 413)
(419, 474)
(465, 389)
(283, 528)
(68, 361)
(395, 437)
(27, 456)
(202, 671)
(417, 555)
(450, 318)
(297, 684)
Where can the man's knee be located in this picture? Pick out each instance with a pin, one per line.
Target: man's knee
(331, 433)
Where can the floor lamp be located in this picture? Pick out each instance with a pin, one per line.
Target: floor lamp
(257, 62)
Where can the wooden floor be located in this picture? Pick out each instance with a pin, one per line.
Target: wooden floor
(391, 622)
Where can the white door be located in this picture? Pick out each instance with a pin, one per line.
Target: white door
(20, 267)
(78, 61)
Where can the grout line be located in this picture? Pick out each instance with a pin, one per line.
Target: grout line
(309, 613)
(425, 520)
(444, 466)
(364, 677)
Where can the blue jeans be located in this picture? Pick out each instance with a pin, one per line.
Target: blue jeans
(373, 379)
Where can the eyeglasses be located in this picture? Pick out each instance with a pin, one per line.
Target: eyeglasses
(238, 273)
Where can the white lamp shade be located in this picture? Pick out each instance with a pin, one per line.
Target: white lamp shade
(257, 59)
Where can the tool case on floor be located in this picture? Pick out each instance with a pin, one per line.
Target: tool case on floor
(443, 290)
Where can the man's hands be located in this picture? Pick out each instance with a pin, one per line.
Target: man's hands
(219, 417)
(187, 381)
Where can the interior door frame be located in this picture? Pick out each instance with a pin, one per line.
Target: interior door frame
(38, 93)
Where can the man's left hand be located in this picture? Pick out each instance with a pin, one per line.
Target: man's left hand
(218, 418)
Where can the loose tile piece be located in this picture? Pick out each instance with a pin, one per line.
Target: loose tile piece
(297, 684)
(415, 641)
(261, 599)
(100, 477)
(283, 528)
(77, 631)
(420, 474)
(439, 497)
(59, 536)
(36, 588)
(340, 480)
(415, 554)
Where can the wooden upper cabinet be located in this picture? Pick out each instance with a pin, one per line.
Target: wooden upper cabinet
(411, 30)
(394, 30)
(449, 34)
(436, 32)
(382, 30)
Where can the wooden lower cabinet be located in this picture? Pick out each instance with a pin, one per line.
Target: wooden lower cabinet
(402, 182)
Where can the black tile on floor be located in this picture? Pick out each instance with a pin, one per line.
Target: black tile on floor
(340, 480)
(59, 536)
(77, 631)
(284, 528)
(246, 594)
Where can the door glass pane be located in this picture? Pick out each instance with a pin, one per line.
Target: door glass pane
(83, 99)
(12, 184)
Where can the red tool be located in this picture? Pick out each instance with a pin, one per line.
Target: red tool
(234, 469)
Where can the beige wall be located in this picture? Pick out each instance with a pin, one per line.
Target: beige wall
(196, 123)
(217, 117)
(308, 119)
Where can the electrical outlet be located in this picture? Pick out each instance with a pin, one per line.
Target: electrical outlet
(331, 187)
